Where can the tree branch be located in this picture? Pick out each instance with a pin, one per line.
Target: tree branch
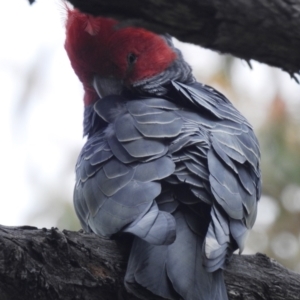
(267, 31)
(49, 264)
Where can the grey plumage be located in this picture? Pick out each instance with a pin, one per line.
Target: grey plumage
(181, 173)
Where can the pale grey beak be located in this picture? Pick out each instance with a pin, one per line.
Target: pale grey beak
(105, 86)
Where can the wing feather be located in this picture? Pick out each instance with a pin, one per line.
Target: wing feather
(156, 160)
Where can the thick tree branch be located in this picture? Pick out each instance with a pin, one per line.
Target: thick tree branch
(50, 264)
(267, 31)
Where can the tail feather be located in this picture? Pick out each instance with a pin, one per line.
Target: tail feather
(147, 268)
(174, 271)
(156, 227)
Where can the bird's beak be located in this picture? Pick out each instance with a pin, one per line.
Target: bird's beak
(105, 86)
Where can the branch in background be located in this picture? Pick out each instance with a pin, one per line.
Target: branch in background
(50, 264)
(267, 31)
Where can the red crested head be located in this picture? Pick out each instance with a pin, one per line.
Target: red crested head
(96, 46)
(138, 54)
(84, 36)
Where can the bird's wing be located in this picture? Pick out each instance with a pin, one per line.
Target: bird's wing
(220, 162)
(155, 154)
(159, 169)
(120, 168)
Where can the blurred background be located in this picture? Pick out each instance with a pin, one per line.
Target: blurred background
(41, 127)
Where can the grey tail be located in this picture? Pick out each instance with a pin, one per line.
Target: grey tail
(173, 271)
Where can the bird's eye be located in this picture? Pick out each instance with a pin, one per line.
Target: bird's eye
(131, 58)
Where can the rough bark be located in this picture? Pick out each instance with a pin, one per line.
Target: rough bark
(50, 264)
(267, 31)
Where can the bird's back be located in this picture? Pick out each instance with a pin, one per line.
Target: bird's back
(183, 178)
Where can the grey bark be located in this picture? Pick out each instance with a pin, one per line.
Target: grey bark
(266, 31)
(49, 264)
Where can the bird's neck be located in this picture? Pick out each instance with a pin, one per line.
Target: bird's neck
(157, 85)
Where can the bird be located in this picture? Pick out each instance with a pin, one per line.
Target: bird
(168, 161)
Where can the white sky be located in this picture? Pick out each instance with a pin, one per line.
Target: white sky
(51, 124)
(50, 129)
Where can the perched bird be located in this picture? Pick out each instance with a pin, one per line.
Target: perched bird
(167, 159)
